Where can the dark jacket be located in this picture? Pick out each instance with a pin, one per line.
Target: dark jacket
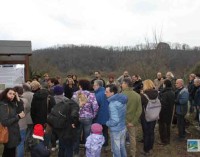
(167, 97)
(197, 97)
(68, 91)
(39, 110)
(72, 113)
(152, 94)
(137, 86)
(191, 90)
(103, 114)
(39, 149)
(9, 118)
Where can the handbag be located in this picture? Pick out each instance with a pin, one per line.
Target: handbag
(3, 134)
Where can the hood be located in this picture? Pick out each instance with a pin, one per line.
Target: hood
(41, 94)
(99, 89)
(152, 93)
(119, 97)
(59, 98)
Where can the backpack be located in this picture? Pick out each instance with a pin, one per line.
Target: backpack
(152, 110)
(59, 116)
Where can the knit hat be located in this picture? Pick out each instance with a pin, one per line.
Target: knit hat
(35, 85)
(58, 90)
(38, 132)
(96, 128)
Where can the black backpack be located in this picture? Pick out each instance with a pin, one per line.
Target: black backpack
(59, 116)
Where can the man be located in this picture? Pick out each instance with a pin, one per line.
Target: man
(181, 100)
(134, 110)
(191, 90)
(43, 82)
(158, 81)
(125, 75)
(116, 122)
(70, 110)
(97, 75)
(197, 97)
(103, 114)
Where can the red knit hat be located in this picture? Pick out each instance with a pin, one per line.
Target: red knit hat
(38, 132)
(96, 128)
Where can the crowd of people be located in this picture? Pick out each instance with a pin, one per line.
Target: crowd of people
(44, 113)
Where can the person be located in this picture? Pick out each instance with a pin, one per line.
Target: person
(102, 114)
(11, 110)
(69, 88)
(116, 122)
(148, 127)
(158, 81)
(137, 83)
(67, 134)
(22, 122)
(191, 90)
(95, 141)
(97, 75)
(197, 98)
(167, 97)
(125, 75)
(134, 110)
(52, 82)
(111, 79)
(88, 110)
(27, 94)
(75, 79)
(170, 76)
(44, 82)
(181, 101)
(41, 103)
(37, 146)
(41, 106)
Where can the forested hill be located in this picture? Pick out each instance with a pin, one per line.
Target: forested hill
(83, 60)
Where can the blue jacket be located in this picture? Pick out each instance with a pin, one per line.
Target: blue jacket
(117, 112)
(103, 114)
(181, 101)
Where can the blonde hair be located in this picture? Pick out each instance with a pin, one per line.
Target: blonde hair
(148, 84)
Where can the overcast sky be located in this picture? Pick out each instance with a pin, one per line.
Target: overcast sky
(99, 22)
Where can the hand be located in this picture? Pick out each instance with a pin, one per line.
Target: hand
(129, 125)
(17, 96)
(73, 126)
(22, 114)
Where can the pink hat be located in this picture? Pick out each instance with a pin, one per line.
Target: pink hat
(96, 128)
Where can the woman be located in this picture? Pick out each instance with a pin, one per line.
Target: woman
(11, 110)
(167, 97)
(148, 127)
(69, 88)
(88, 110)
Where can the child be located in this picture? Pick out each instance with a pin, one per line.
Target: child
(37, 147)
(95, 141)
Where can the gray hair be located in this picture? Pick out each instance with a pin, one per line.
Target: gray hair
(99, 82)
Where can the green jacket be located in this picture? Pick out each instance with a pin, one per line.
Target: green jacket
(134, 106)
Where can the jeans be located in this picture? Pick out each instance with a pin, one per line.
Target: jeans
(85, 126)
(118, 143)
(65, 148)
(181, 126)
(20, 147)
(148, 134)
(164, 131)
